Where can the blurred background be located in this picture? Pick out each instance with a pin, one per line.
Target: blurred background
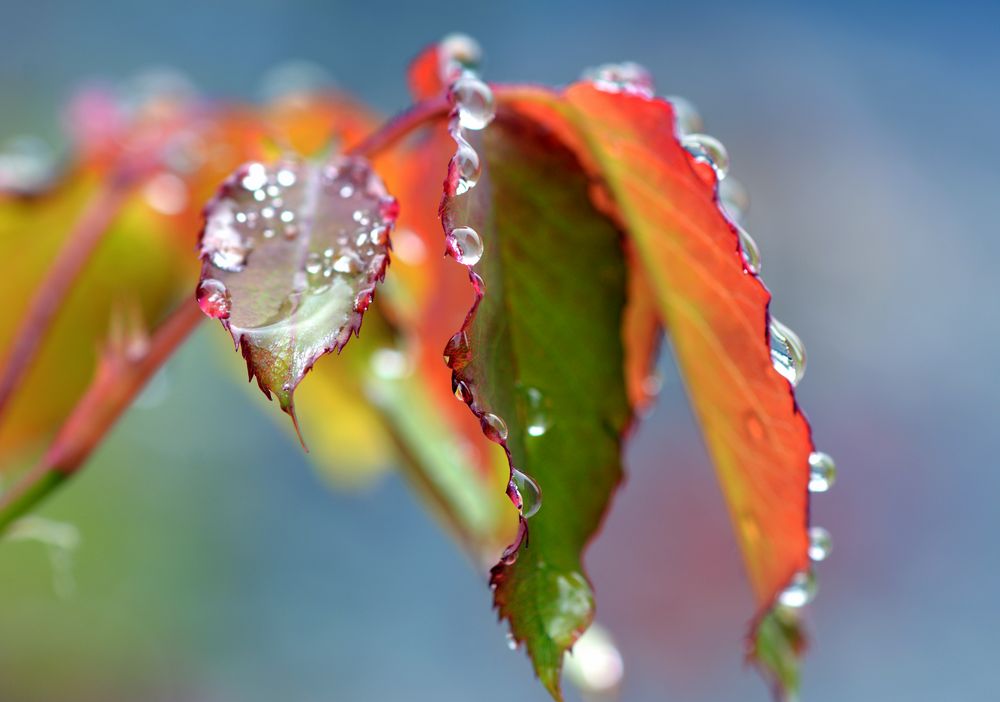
(216, 566)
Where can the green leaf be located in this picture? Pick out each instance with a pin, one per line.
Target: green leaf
(546, 355)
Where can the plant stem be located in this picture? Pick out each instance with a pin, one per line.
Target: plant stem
(402, 125)
(58, 281)
(121, 374)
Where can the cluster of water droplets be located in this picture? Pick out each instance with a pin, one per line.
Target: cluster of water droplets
(473, 108)
(711, 161)
(321, 232)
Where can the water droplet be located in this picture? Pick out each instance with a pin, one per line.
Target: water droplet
(511, 641)
(287, 216)
(594, 664)
(734, 199)
(708, 149)
(787, 352)
(800, 591)
(686, 117)
(213, 298)
(465, 245)
(349, 262)
(346, 191)
(529, 491)
(222, 243)
(462, 49)
(27, 164)
(456, 351)
(820, 543)
(462, 390)
(536, 412)
(625, 77)
(493, 427)
(822, 471)
(166, 193)
(751, 253)
(467, 166)
(255, 179)
(390, 364)
(474, 101)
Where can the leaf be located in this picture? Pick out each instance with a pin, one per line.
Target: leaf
(544, 371)
(715, 308)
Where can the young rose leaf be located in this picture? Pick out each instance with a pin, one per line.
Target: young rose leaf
(715, 308)
(540, 361)
(291, 256)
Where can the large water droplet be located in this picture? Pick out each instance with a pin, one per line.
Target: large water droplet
(467, 166)
(466, 246)
(213, 298)
(820, 543)
(537, 415)
(822, 471)
(708, 149)
(787, 352)
(595, 665)
(530, 492)
(800, 591)
(686, 117)
(474, 100)
(494, 427)
(751, 253)
(456, 351)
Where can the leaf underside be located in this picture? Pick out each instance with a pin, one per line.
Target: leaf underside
(546, 353)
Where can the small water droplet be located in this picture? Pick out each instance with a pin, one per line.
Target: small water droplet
(511, 641)
(462, 49)
(708, 149)
(474, 101)
(625, 77)
(734, 199)
(467, 167)
(390, 364)
(529, 491)
(820, 543)
(287, 216)
(166, 193)
(787, 352)
(822, 471)
(346, 264)
(800, 591)
(214, 298)
(686, 117)
(255, 179)
(751, 253)
(493, 427)
(346, 191)
(536, 412)
(461, 390)
(466, 246)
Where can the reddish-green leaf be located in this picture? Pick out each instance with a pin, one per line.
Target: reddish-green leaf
(292, 254)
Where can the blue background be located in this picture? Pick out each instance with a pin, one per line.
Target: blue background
(220, 568)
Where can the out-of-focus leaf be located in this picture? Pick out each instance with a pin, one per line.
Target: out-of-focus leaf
(777, 645)
(291, 256)
(714, 306)
(541, 363)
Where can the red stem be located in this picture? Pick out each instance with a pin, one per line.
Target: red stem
(401, 125)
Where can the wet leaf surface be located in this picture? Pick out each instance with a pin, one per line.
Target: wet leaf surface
(292, 253)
